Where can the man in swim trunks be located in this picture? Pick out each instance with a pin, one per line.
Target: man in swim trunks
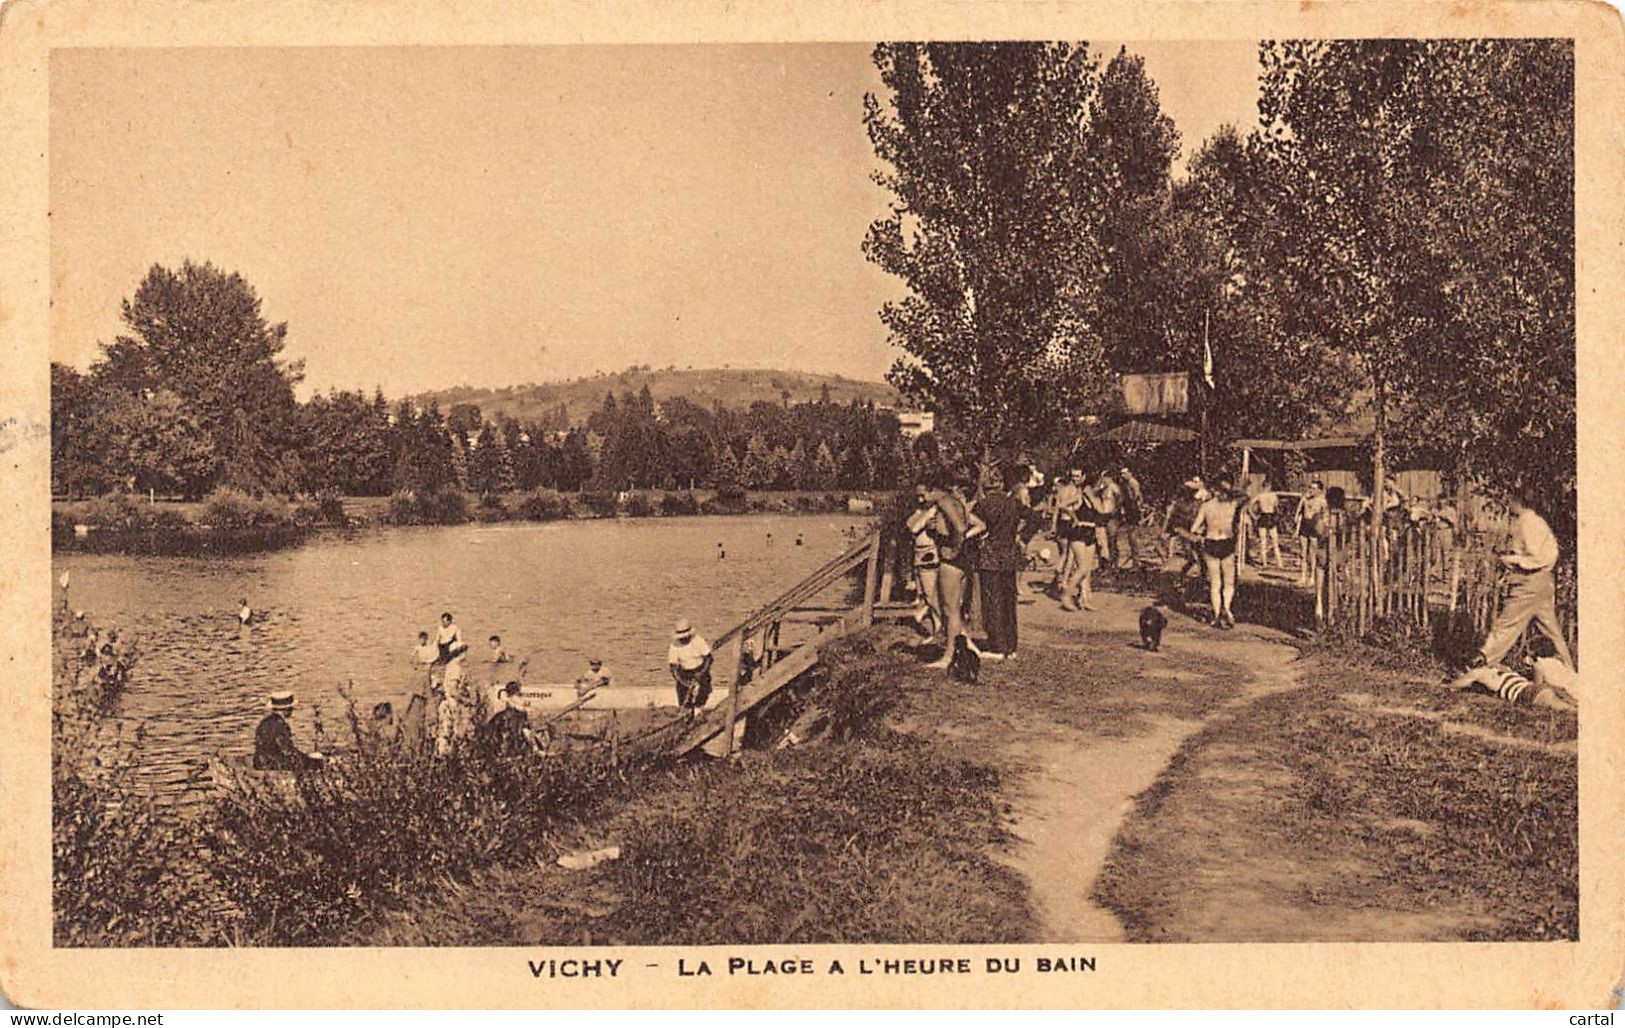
(1265, 511)
(1314, 523)
(449, 639)
(1215, 525)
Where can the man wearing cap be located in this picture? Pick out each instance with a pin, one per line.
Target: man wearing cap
(690, 662)
(273, 740)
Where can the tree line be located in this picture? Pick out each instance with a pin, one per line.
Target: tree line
(197, 396)
(1394, 235)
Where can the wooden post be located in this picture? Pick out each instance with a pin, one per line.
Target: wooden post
(1328, 570)
(1362, 562)
(733, 696)
(1241, 529)
(871, 578)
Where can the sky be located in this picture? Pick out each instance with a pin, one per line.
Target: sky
(429, 217)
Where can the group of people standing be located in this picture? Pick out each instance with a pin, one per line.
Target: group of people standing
(971, 534)
(964, 525)
(1090, 521)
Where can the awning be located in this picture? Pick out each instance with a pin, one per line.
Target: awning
(1137, 431)
(1341, 442)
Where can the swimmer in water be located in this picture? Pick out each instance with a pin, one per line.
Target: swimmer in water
(498, 654)
(449, 639)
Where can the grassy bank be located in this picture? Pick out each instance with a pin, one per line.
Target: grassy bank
(1364, 806)
(869, 836)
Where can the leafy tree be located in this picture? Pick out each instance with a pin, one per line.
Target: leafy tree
(464, 419)
(78, 457)
(459, 462)
(1273, 377)
(158, 444)
(575, 461)
(346, 445)
(199, 333)
(824, 470)
(993, 231)
(757, 470)
(1427, 187)
(491, 464)
(725, 470)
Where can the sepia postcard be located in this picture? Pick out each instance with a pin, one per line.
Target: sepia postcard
(706, 505)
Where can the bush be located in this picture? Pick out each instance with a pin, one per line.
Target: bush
(231, 508)
(404, 509)
(728, 499)
(542, 505)
(386, 823)
(640, 505)
(114, 510)
(164, 518)
(443, 507)
(447, 507)
(770, 503)
(679, 504)
(491, 508)
(602, 504)
(324, 508)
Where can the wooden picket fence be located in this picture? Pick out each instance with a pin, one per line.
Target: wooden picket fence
(1430, 572)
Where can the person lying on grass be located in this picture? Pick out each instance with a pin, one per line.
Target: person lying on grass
(1495, 680)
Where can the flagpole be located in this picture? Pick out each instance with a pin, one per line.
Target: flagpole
(1207, 357)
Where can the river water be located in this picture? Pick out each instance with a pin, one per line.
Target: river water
(346, 608)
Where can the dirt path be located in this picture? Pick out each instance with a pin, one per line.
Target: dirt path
(1080, 786)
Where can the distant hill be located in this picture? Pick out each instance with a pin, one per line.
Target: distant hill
(732, 387)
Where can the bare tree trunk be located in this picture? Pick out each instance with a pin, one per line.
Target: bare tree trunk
(1378, 502)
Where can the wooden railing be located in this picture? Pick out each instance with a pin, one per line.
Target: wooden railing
(754, 662)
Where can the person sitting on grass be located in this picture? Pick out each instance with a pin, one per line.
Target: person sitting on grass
(274, 749)
(507, 733)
